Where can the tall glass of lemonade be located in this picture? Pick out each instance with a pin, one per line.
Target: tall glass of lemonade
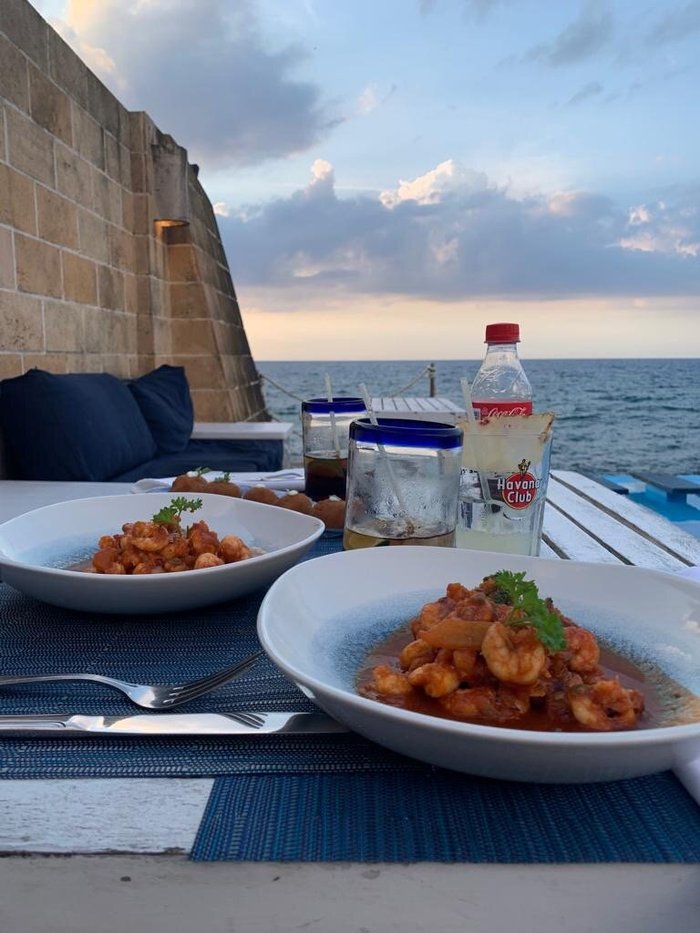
(505, 468)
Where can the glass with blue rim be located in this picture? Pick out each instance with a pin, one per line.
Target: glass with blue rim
(403, 483)
(325, 424)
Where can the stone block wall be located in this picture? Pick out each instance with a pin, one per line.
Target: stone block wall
(90, 280)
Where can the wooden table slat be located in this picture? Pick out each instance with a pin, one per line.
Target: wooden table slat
(429, 408)
(572, 542)
(547, 551)
(650, 524)
(619, 538)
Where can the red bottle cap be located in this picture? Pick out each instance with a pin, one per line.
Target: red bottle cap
(502, 333)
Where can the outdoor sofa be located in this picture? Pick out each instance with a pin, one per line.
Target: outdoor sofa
(96, 427)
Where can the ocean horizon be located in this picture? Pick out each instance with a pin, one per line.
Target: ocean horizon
(612, 415)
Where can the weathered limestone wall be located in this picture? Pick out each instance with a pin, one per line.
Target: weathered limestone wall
(89, 281)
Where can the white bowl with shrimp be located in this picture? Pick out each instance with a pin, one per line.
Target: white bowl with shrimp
(37, 548)
(320, 619)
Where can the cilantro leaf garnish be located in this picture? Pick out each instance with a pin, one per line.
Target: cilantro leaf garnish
(529, 608)
(200, 471)
(224, 478)
(178, 505)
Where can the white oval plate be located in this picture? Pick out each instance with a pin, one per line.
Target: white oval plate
(37, 546)
(320, 618)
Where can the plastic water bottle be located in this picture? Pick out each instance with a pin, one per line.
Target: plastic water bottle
(501, 388)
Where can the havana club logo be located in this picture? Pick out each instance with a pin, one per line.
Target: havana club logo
(519, 490)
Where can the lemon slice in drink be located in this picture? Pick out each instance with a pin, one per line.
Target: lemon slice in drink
(497, 445)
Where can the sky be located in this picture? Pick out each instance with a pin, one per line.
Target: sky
(390, 176)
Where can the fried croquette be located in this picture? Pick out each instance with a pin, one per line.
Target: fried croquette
(262, 494)
(331, 511)
(296, 501)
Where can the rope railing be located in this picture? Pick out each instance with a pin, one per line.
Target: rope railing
(272, 382)
(428, 371)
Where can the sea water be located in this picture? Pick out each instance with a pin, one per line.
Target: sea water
(613, 416)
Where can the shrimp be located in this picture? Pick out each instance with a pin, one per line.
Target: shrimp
(148, 566)
(202, 540)
(176, 548)
(465, 661)
(106, 561)
(437, 680)
(416, 653)
(147, 536)
(387, 681)
(486, 703)
(582, 652)
(605, 705)
(175, 565)
(457, 592)
(430, 615)
(207, 560)
(476, 607)
(232, 549)
(130, 556)
(513, 655)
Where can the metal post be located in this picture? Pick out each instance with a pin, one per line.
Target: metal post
(432, 388)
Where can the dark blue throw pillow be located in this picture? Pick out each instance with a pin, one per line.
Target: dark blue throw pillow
(75, 426)
(165, 402)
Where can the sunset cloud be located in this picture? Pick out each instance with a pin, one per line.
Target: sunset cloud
(468, 158)
(450, 234)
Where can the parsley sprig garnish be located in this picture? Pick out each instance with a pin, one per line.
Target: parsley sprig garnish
(171, 513)
(529, 608)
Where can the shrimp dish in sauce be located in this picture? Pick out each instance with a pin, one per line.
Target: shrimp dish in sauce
(500, 655)
(162, 545)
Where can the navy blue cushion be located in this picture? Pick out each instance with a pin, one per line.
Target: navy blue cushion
(234, 456)
(77, 426)
(165, 402)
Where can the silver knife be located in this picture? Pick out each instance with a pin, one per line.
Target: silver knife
(173, 724)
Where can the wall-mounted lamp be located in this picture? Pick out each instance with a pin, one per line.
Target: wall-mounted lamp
(163, 224)
(171, 200)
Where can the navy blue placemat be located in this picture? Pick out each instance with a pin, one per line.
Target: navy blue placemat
(359, 794)
(439, 816)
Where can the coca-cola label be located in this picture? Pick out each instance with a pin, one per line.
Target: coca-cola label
(518, 490)
(509, 409)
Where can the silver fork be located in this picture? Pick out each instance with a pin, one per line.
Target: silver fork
(150, 696)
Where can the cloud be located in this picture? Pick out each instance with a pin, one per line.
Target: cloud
(372, 97)
(676, 25)
(480, 8)
(660, 228)
(205, 73)
(580, 40)
(592, 89)
(451, 235)
(432, 187)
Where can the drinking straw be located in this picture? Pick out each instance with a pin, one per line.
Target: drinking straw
(383, 456)
(334, 425)
(471, 434)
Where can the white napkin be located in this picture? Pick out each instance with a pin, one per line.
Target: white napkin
(688, 770)
(282, 479)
